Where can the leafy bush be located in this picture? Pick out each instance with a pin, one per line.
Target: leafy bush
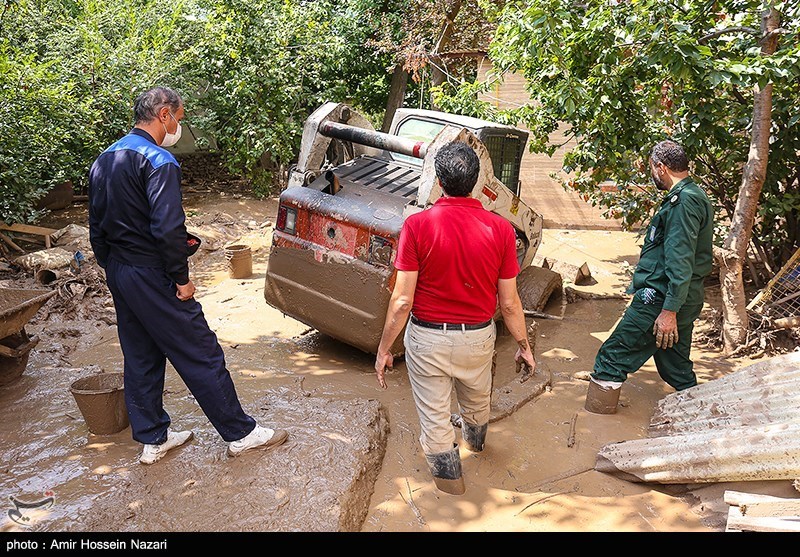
(39, 119)
(250, 72)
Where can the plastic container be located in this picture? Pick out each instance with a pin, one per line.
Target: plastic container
(240, 261)
(101, 400)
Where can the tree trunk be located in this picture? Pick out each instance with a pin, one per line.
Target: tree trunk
(397, 93)
(438, 76)
(734, 249)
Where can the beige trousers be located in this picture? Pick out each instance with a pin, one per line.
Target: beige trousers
(439, 360)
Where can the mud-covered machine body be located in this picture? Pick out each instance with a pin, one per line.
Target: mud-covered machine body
(331, 264)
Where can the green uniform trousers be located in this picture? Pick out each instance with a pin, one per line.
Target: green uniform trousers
(632, 343)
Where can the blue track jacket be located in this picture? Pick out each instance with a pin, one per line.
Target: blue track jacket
(135, 209)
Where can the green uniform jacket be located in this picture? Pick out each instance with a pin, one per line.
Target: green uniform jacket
(676, 255)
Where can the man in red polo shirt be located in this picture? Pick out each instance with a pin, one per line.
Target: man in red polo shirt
(455, 262)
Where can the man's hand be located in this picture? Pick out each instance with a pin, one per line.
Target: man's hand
(383, 361)
(185, 291)
(524, 353)
(665, 329)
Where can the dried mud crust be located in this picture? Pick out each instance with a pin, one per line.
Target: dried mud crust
(319, 480)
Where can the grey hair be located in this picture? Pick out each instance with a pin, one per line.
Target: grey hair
(457, 168)
(147, 104)
(671, 155)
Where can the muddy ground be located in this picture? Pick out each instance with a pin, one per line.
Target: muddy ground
(352, 462)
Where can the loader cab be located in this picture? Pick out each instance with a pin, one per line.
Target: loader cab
(505, 144)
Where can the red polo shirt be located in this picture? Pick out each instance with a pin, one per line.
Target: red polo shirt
(461, 250)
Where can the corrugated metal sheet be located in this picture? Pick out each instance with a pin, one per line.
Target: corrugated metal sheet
(744, 426)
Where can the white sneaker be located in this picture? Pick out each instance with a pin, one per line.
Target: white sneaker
(259, 438)
(154, 453)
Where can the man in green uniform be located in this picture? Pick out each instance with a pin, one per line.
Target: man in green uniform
(667, 287)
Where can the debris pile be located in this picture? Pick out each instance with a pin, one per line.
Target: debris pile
(216, 230)
(742, 427)
(206, 173)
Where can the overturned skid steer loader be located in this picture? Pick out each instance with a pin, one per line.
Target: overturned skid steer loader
(339, 219)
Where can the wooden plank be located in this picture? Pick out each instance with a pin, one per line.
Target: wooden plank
(28, 229)
(733, 514)
(739, 523)
(576, 274)
(11, 243)
(756, 505)
(45, 233)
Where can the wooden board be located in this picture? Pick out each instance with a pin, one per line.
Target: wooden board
(45, 233)
(576, 274)
(739, 523)
(756, 505)
(753, 512)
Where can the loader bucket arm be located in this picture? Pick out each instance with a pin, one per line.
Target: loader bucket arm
(490, 191)
(314, 144)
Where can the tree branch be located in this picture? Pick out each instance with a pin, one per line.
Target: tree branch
(718, 32)
(739, 96)
(768, 36)
(463, 54)
(718, 186)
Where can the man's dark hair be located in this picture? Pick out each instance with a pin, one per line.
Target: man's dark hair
(671, 155)
(457, 168)
(147, 104)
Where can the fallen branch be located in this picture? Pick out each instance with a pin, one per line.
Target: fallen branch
(543, 499)
(784, 300)
(540, 315)
(571, 294)
(303, 392)
(553, 479)
(11, 243)
(571, 438)
(411, 504)
(787, 322)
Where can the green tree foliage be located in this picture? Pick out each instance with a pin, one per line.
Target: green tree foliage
(71, 70)
(250, 72)
(267, 65)
(37, 125)
(624, 74)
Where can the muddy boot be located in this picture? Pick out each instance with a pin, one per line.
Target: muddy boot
(474, 436)
(602, 396)
(446, 471)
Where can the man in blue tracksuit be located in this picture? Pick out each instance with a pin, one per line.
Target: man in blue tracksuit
(138, 234)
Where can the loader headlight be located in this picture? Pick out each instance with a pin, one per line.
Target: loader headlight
(380, 251)
(287, 219)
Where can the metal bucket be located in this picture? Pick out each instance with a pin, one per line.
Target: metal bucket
(101, 400)
(240, 261)
(14, 360)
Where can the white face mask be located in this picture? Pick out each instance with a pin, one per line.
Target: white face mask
(171, 139)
